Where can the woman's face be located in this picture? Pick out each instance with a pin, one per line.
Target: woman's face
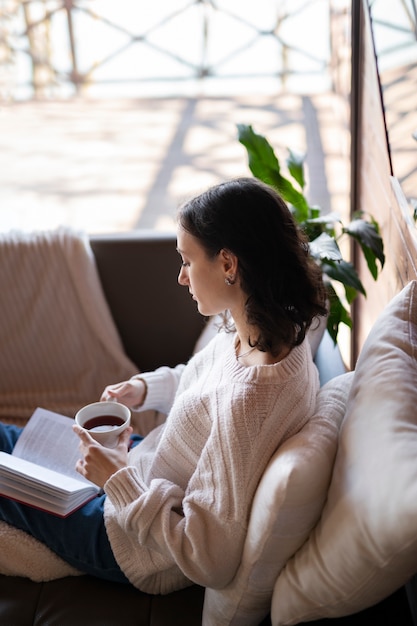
(204, 277)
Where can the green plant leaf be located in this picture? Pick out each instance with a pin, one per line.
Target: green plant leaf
(260, 152)
(328, 218)
(315, 212)
(325, 247)
(293, 197)
(264, 165)
(318, 224)
(413, 202)
(345, 273)
(295, 164)
(370, 241)
(351, 293)
(337, 313)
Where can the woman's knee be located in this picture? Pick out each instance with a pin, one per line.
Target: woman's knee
(9, 434)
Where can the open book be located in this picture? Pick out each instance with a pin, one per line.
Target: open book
(41, 469)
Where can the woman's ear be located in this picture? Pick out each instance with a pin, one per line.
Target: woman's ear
(230, 261)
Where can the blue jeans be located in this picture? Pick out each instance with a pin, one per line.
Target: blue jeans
(80, 539)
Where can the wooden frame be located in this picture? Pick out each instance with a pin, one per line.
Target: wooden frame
(374, 189)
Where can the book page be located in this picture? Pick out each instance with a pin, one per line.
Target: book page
(50, 483)
(41, 487)
(48, 440)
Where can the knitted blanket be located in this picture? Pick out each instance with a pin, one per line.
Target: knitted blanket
(22, 555)
(59, 344)
(59, 349)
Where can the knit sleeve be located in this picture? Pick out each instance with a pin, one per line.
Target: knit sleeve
(162, 385)
(180, 525)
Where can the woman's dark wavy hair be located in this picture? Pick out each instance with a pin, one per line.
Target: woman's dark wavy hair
(283, 283)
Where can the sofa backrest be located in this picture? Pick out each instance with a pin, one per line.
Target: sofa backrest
(157, 320)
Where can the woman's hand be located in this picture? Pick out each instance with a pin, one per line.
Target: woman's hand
(99, 463)
(130, 392)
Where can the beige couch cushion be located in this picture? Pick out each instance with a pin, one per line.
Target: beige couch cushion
(286, 507)
(365, 545)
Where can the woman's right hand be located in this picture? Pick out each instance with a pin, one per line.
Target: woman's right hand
(132, 392)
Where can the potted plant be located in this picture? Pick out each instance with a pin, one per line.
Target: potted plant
(323, 231)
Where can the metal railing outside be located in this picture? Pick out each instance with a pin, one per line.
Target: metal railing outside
(394, 27)
(62, 48)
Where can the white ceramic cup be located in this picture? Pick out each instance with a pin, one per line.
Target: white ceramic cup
(104, 421)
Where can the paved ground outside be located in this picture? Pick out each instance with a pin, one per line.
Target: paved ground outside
(114, 165)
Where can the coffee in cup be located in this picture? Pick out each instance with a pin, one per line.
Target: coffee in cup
(105, 421)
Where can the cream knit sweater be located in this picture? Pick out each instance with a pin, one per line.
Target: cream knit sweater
(180, 511)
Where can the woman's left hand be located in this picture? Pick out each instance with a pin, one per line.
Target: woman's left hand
(99, 463)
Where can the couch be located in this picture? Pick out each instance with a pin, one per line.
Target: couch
(157, 323)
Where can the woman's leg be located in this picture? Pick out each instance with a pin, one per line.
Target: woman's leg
(9, 434)
(80, 539)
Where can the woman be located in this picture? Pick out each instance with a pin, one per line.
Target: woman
(176, 507)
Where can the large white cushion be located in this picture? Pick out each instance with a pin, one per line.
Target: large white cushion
(286, 507)
(365, 545)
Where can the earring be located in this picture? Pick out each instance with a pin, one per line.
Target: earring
(229, 280)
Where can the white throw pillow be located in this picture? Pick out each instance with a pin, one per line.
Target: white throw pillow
(287, 505)
(365, 545)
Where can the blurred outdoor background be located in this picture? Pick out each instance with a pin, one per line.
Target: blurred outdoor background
(113, 113)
